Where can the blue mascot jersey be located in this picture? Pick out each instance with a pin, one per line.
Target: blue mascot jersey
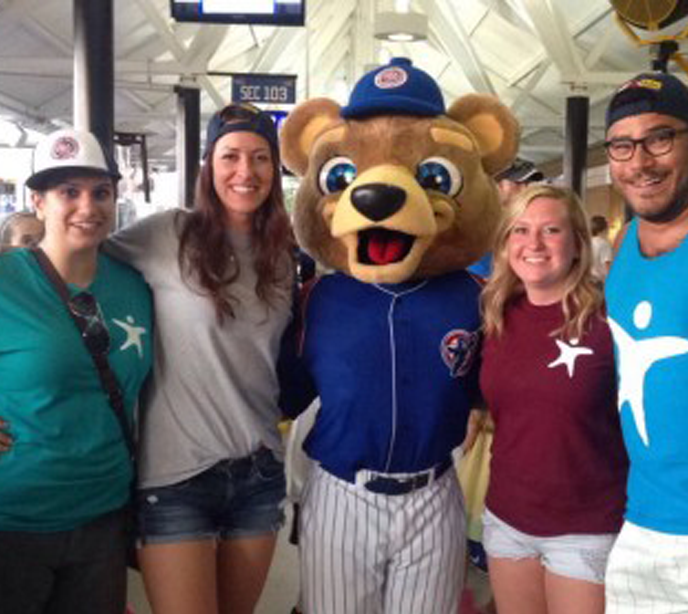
(647, 302)
(395, 367)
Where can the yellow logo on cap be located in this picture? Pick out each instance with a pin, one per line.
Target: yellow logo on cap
(651, 84)
(648, 84)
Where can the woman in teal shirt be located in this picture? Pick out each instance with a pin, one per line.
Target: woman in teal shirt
(65, 471)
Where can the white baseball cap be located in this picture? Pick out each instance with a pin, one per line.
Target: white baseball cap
(68, 151)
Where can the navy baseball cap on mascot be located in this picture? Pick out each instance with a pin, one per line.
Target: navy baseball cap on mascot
(398, 88)
(395, 185)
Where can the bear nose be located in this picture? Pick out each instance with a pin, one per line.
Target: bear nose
(378, 201)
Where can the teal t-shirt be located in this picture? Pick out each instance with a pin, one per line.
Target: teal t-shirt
(68, 463)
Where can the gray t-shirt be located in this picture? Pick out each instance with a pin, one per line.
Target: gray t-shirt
(602, 254)
(214, 390)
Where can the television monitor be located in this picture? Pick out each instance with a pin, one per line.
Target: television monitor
(248, 12)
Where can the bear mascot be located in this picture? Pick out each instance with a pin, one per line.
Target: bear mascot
(396, 199)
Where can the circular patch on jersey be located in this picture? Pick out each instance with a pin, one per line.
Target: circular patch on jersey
(390, 78)
(458, 350)
(65, 148)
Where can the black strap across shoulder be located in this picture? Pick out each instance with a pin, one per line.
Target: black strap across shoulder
(108, 379)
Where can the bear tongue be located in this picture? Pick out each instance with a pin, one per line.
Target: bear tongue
(385, 247)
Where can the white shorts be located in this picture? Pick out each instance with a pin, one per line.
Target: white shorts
(647, 572)
(576, 556)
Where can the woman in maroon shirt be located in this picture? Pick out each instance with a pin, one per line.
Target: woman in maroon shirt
(558, 471)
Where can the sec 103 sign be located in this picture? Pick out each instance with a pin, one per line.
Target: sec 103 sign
(273, 89)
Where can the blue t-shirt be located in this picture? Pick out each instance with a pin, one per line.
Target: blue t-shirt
(68, 463)
(647, 302)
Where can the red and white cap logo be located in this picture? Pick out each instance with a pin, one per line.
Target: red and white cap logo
(65, 148)
(391, 77)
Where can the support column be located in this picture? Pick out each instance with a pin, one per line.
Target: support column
(145, 170)
(94, 69)
(188, 142)
(576, 146)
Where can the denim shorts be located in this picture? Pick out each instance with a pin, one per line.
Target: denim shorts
(579, 557)
(233, 499)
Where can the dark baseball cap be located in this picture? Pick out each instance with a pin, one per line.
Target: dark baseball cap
(241, 117)
(521, 171)
(653, 92)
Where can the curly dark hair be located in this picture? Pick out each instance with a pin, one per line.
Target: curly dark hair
(206, 253)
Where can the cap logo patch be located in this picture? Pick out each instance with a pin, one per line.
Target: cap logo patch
(390, 78)
(65, 148)
(648, 84)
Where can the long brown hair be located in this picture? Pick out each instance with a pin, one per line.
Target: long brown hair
(207, 256)
(583, 296)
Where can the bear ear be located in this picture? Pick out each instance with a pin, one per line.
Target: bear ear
(302, 127)
(494, 127)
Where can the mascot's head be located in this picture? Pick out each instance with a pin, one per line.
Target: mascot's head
(396, 187)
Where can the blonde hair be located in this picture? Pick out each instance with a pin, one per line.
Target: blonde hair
(583, 295)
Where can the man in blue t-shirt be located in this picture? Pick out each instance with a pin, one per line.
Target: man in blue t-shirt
(647, 294)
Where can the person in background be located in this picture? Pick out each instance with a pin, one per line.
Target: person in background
(647, 299)
(65, 468)
(510, 182)
(211, 478)
(20, 229)
(517, 178)
(556, 494)
(602, 252)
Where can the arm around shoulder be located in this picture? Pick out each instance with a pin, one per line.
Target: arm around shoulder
(138, 243)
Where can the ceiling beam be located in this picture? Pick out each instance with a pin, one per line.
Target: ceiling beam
(63, 67)
(364, 45)
(598, 13)
(527, 91)
(178, 51)
(204, 45)
(276, 47)
(600, 46)
(456, 43)
(557, 41)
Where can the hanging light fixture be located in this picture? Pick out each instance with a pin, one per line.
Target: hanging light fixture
(401, 27)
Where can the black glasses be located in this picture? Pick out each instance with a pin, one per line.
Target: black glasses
(656, 143)
(94, 331)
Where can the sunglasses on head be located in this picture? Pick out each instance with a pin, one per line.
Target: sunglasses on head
(241, 110)
(95, 333)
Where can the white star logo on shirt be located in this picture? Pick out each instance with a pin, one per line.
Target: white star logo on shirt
(568, 355)
(133, 334)
(636, 358)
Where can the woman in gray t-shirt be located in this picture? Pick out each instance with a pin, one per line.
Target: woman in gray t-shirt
(211, 479)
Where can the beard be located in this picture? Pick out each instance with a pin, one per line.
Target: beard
(670, 211)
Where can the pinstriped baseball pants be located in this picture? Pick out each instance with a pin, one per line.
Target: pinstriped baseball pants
(647, 573)
(368, 553)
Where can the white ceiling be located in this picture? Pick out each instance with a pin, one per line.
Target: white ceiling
(533, 54)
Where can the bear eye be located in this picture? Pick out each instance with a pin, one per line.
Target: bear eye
(336, 175)
(440, 174)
